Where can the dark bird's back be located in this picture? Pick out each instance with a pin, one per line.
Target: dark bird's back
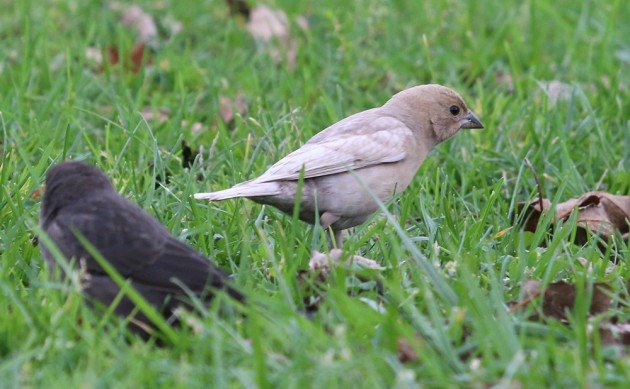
(79, 197)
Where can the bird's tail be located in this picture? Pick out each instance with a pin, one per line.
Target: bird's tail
(245, 189)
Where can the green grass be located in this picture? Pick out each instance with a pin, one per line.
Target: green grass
(54, 104)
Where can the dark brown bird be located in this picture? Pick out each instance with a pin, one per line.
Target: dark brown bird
(80, 197)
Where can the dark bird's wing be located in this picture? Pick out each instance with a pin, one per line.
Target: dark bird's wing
(138, 247)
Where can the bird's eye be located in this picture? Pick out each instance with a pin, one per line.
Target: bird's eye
(454, 110)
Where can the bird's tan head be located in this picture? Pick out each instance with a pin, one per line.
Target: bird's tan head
(434, 108)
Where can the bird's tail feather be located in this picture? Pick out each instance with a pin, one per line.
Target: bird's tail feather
(246, 189)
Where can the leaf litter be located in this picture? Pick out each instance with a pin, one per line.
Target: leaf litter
(271, 29)
(558, 299)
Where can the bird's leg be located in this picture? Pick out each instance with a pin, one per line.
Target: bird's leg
(334, 239)
(326, 220)
(338, 238)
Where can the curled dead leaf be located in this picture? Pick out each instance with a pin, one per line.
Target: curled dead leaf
(238, 7)
(322, 262)
(556, 90)
(132, 61)
(504, 79)
(136, 18)
(159, 115)
(406, 352)
(266, 23)
(270, 27)
(600, 212)
(229, 108)
(37, 193)
(558, 298)
(618, 333)
(188, 155)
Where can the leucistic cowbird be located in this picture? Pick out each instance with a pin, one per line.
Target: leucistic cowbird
(383, 147)
(79, 198)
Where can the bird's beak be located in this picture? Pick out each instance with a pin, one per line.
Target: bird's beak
(471, 121)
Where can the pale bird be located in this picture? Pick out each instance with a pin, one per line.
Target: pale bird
(381, 148)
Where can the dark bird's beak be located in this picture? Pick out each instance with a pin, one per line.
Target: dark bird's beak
(471, 121)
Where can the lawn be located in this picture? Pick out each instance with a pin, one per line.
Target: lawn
(548, 78)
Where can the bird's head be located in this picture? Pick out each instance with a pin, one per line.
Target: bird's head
(69, 182)
(435, 110)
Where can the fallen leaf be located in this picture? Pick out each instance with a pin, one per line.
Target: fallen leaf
(37, 193)
(406, 353)
(228, 108)
(504, 79)
(133, 61)
(196, 128)
(623, 55)
(615, 334)
(266, 23)
(270, 27)
(136, 18)
(322, 262)
(159, 115)
(94, 56)
(302, 22)
(238, 7)
(600, 212)
(319, 268)
(556, 90)
(559, 298)
(173, 26)
(188, 155)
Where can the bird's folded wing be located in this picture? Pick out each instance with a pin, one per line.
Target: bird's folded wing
(136, 245)
(376, 142)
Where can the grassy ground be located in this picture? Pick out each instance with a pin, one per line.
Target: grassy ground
(55, 104)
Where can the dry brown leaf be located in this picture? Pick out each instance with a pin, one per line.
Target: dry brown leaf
(504, 79)
(322, 262)
(228, 108)
(132, 61)
(271, 28)
(559, 298)
(238, 7)
(136, 18)
(188, 155)
(406, 353)
(173, 26)
(94, 56)
(302, 22)
(37, 193)
(615, 333)
(599, 212)
(556, 90)
(159, 115)
(266, 23)
(196, 128)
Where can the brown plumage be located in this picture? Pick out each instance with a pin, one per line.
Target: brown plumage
(79, 198)
(384, 147)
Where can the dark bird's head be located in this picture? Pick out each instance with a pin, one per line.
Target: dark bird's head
(69, 182)
(435, 110)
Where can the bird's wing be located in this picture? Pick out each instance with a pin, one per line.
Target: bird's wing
(134, 243)
(350, 146)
